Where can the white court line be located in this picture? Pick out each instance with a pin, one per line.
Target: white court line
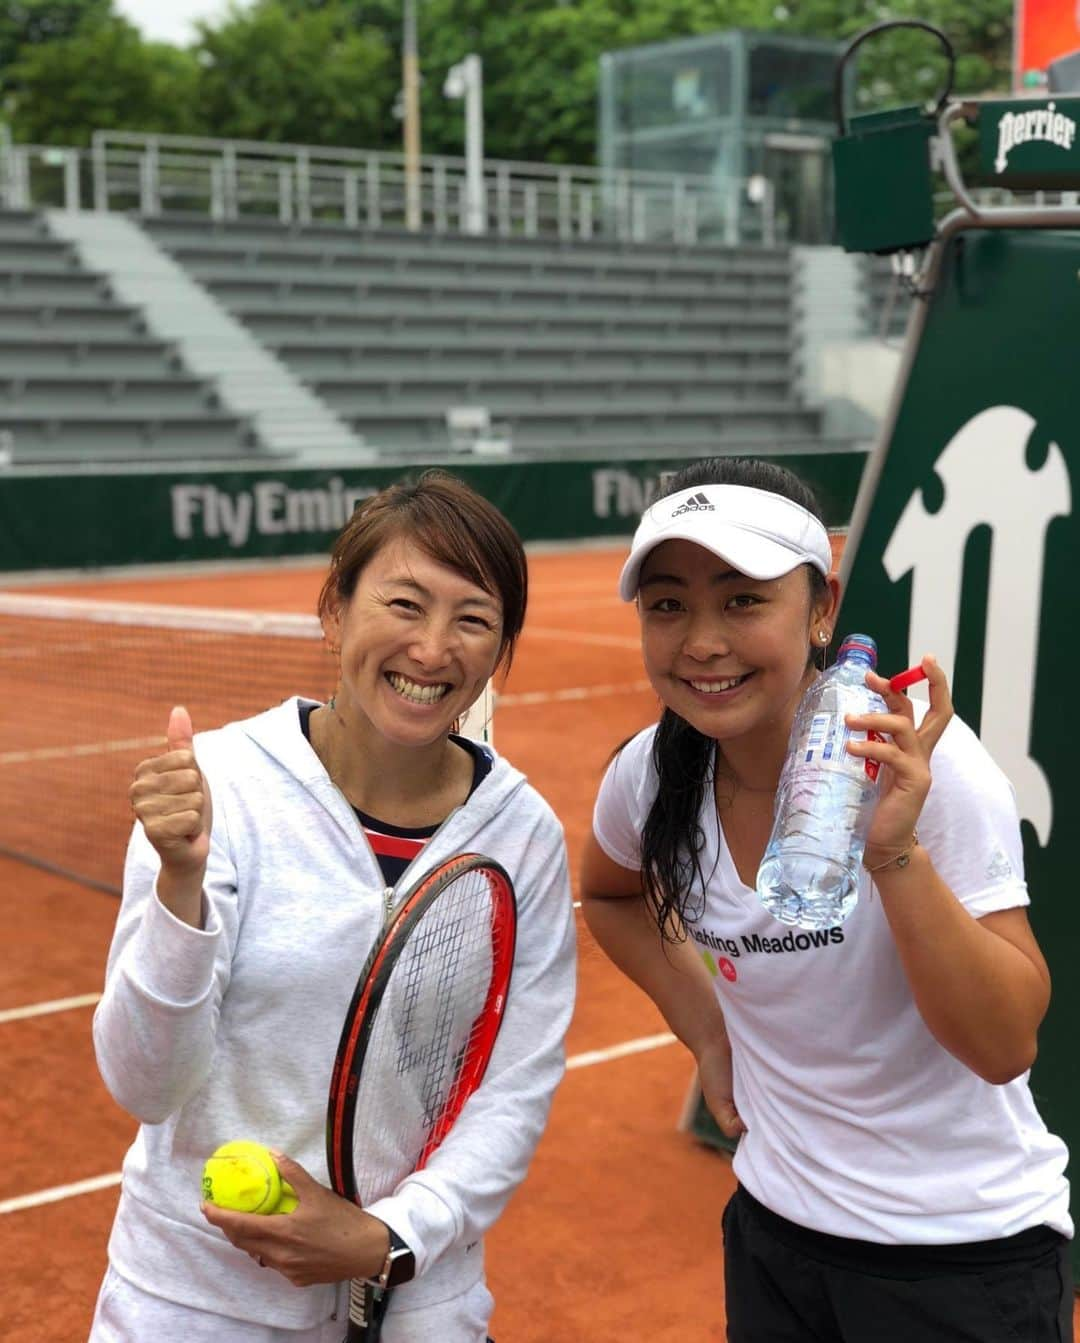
(42, 1009)
(607, 591)
(512, 700)
(58, 1192)
(640, 1046)
(576, 637)
(579, 602)
(71, 1004)
(88, 748)
(517, 700)
(618, 544)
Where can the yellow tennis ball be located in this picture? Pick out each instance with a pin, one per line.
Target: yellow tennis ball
(243, 1176)
(288, 1202)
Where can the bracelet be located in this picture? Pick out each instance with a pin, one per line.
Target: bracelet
(902, 858)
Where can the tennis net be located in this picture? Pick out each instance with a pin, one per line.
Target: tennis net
(85, 693)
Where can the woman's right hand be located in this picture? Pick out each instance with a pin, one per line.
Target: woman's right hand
(715, 1076)
(171, 799)
(324, 1239)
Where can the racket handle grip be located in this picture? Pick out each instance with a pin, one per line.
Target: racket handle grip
(367, 1310)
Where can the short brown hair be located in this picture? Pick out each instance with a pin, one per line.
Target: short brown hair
(455, 525)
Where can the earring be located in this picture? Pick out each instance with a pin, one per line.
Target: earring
(823, 635)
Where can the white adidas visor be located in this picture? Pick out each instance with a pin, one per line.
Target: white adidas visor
(761, 534)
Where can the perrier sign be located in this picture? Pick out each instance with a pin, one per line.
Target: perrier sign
(969, 548)
(1029, 142)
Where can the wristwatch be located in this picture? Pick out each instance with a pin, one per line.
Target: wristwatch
(399, 1265)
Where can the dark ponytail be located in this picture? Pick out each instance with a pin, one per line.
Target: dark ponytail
(672, 839)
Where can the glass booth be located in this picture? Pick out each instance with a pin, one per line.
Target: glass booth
(751, 111)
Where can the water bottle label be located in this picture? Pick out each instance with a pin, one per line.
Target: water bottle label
(818, 735)
(826, 744)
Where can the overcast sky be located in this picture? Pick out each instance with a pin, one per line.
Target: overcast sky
(169, 20)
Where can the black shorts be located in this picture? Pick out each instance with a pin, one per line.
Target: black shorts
(787, 1284)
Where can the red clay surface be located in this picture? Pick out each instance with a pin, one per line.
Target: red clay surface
(615, 1234)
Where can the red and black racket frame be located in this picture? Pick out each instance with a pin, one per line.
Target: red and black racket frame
(364, 1005)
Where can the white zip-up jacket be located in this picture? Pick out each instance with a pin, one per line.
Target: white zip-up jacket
(230, 1031)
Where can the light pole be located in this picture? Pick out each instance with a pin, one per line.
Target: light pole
(410, 80)
(466, 80)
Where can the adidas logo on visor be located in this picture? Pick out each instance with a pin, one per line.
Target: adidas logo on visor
(699, 503)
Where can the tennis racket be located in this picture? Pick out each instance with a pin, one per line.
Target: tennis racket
(417, 1039)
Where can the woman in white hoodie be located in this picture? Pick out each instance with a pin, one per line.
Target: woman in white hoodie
(263, 860)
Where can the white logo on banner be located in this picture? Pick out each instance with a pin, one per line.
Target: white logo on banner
(987, 483)
(269, 508)
(1020, 128)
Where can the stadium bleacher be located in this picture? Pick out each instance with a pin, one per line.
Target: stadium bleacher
(572, 346)
(80, 377)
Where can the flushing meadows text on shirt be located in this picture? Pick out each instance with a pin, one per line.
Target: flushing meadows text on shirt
(753, 943)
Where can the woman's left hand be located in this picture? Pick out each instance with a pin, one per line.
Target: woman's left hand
(904, 755)
(325, 1239)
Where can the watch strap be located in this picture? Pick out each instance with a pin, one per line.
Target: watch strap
(399, 1265)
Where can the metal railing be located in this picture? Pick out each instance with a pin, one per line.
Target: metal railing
(40, 175)
(236, 179)
(1004, 196)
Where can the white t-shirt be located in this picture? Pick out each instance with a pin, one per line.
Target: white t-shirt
(859, 1123)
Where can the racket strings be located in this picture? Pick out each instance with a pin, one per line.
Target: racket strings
(424, 1033)
(443, 950)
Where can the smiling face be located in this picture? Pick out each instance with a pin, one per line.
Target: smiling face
(418, 642)
(725, 652)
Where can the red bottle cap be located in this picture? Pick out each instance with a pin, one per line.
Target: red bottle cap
(903, 679)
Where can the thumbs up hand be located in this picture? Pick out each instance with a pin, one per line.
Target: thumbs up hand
(179, 733)
(171, 799)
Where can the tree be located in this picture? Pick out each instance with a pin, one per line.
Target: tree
(102, 76)
(327, 71)
(541, 57)
(541, 63)
(26, 23)
(908, 66)
(295, 73)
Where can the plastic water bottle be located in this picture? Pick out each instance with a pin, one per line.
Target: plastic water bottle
(809, 875)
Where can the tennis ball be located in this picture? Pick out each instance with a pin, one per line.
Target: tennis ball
(243, 1176)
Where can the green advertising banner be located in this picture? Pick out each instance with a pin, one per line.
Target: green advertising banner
(50, 521)
(963, 545)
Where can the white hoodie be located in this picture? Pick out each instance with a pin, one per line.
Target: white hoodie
(230, 1031)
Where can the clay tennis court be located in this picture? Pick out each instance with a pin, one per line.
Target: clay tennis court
(615, 1233)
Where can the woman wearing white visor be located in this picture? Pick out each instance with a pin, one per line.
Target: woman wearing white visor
(896, 1182)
